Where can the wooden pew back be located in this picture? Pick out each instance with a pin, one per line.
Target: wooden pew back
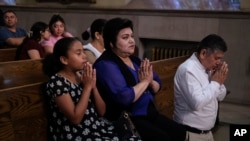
(166, 70)
(160, 53)
(23, 114)
(7, 54)
(18, 73)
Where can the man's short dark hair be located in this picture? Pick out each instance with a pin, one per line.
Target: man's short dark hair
(9, 11)
(212, 42)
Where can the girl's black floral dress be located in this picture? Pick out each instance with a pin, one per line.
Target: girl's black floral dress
(91, 128)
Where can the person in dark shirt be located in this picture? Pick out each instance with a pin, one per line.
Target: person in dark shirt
(31, 47)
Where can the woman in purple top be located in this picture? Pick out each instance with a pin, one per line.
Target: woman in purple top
(127, 83)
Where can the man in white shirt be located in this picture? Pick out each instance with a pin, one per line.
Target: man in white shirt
(198, 86)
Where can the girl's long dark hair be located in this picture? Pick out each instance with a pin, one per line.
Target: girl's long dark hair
(51, 62)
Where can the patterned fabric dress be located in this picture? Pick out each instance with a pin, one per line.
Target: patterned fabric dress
(91, 128)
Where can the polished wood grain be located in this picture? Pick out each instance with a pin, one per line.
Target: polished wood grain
(7, 54)
(166, 70)
(18, 73)
(23, 114)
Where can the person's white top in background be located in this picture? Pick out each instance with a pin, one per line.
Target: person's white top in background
(196, 99)
(90, 47)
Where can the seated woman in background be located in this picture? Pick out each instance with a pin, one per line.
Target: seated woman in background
(75, 105)
(95, 48)
(57, 28)
(126, 82)
(31, 47)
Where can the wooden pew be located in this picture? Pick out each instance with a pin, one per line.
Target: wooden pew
(160, 53)
(18, 73)
(166, 70)
(23, 114)
(7, 54)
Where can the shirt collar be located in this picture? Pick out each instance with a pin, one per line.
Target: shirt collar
(197, 61)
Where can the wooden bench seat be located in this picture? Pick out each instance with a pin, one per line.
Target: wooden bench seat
(18, 73)
(7, 54)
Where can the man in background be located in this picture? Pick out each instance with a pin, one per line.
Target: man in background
(10, 34)
(198, 86)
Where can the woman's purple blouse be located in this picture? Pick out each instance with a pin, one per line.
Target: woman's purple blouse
(112, 83)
